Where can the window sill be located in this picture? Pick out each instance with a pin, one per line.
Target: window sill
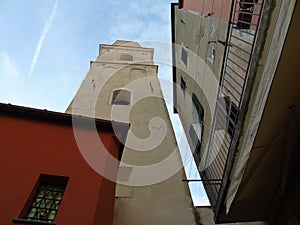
(24, 221)
(212, 61)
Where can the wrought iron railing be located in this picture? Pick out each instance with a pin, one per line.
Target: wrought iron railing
(241, 37)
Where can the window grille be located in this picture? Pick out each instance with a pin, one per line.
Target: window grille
(43, 204)
(236, 65)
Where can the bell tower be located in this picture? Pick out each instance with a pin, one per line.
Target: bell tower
(122, 85)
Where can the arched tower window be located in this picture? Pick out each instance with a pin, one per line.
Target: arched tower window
(121, 97)
(126, 57)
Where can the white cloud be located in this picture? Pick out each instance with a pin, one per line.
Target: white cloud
(42, 38)
(128, 29)
(143, 21)
(155, 9)
(8, 68)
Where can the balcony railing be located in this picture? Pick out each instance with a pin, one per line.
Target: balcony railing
(241, 38)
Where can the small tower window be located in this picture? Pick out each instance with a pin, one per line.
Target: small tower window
(126, 57)
(121, 97)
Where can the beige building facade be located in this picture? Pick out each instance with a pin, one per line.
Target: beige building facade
(249, 130)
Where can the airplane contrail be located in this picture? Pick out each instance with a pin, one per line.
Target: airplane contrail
(42, 38)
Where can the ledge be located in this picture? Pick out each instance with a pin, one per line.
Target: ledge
(25, 221)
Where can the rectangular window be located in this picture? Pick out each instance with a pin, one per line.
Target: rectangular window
(184, 56)
(44, 201)
(232, 118)
(182, 85)
(244, 19)
(245, 13)
(222, 112)
(211, 54)
(195, 132)
(198, 109)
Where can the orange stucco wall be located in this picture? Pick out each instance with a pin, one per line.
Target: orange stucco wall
(221, 9)
(33, 147)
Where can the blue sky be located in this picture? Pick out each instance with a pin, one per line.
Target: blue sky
(46, 47)
(67, 34)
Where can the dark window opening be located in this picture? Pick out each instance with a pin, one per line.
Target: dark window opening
(198, 107)
(44, 201)
(244, 20)
(121, 97)
(184, 56)
(245, 14)
(196, 128)
(247, 4)
(234, 110)
(195, 133)
(182, 85)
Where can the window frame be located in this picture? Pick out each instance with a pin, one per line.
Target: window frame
(197, 105)
(183, 85)
(194, 136)
(184, 55)
(211, 56)
(232, 118)
(41, 196)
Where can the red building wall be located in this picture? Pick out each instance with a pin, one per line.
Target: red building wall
(34, 146)
(219, 8)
